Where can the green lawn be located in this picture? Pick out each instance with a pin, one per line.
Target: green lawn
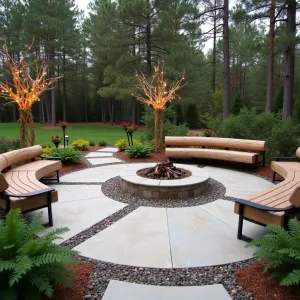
(90, 132)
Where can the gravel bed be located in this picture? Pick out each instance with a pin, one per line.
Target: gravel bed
(112, 189)
(224, 274)
(91, 231)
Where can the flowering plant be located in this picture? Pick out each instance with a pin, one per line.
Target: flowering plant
(207, 132)
(129, 127)
(55, 139)
(62, 123)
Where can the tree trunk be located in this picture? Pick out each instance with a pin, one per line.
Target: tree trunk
(27, 136)
(133, 111)
(226, 108)
(148, 43)
(64, 88)
(270, 80)
(289, 62)
(213, 81)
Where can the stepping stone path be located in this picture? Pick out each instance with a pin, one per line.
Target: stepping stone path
(151, 237)
(118, 290)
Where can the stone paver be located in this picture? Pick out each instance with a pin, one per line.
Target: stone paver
(139, 239)
(78, 214)
(99, 154)
(118, 290)
(108, 149)
(199, 239)
(103, 161)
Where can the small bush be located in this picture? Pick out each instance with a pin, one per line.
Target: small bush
(102, 143)
(281, 248)
(47, 151)
(68, 155)
(122, 144)
(138, 150)
(9, 144)
(80, 145)
(92, 143)
(30, 266)
(175, 130)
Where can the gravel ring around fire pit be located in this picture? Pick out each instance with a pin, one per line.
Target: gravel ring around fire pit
(214, 191)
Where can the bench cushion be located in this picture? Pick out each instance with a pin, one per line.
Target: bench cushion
(228, 155)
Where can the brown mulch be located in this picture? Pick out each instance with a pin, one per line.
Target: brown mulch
(154, 157)
(262, 287)
(80, 283)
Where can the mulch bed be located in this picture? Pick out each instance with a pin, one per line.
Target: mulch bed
(80, 283)
(262, 287)
(154, 157)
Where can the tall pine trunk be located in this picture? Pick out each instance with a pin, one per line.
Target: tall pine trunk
(213, 81)
(270, 84)
(289, 60)
(226, 108)
(148, 42)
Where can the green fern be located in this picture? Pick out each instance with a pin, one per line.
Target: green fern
(29, 266)
(281, 248)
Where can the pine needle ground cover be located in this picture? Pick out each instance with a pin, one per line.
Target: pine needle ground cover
(90, 132)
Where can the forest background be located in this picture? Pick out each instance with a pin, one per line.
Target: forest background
(253, 63)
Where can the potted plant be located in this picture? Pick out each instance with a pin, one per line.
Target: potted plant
(129, 128)
(207, 132)
(56, 140)
(63, 124)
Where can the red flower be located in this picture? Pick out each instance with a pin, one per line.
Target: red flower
(52, 137)
(59, 121)
(124, 124)
(135, 127)
(207, 130)
(129, 124)
(57, 136)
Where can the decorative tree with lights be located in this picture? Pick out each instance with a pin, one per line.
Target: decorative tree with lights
(27, 86)
(157, 94)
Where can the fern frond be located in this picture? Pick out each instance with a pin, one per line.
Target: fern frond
(8, 265)
(34, 227)
(22, 266)
(43, 285)
(290, 252)
(8, 294)
(294, 227)
(293, 278)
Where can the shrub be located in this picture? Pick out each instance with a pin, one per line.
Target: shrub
(80, 145)
(102, 143)
(47, 151)
(29, 266)
(68, 155)
(9, 144)
(92, 143)
(281, 248)
(281, 135)
(138, 150)
(122, 144)
(175, 130)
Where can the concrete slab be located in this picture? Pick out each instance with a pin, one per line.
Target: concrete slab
(199, 239)
(108, 149)
(99, 154)
(79, 215)
(100, 174)
(223, 210)
(139, 239)
(103, 161)
(70, 193)
(118, 290)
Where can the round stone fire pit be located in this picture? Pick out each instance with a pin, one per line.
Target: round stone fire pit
(191, 186)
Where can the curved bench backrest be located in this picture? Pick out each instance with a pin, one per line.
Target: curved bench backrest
(298, 152)
(12, 157)
(254, 145)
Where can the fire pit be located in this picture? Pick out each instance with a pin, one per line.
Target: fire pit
(164, 171)
(165, 181)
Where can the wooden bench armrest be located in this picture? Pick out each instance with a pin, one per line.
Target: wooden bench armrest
(263, 207)
(31, 194)
(49, 157)
(293, 158)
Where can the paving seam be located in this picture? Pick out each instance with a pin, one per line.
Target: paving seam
(169, 238)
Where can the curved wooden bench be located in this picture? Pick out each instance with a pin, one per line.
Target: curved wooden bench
(243, 149)
(275, 205)
(20, 187)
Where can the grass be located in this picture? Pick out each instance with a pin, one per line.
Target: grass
(89, 132)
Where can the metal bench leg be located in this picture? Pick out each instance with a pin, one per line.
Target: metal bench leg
(57, 175)
(49, 200)
(274, 176)
(240, 235)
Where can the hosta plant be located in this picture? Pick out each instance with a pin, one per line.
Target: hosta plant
(67, 155)
(80, 144)
(138, 150)
(281, 249)
(30, 266)
(122, 144)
